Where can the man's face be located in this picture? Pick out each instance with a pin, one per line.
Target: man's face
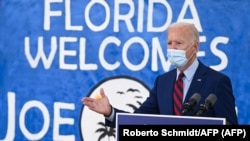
(179, 38)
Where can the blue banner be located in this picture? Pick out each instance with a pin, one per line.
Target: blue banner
(55, 52)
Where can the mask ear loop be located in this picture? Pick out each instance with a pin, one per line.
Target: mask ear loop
(189, 47)
(187, 50)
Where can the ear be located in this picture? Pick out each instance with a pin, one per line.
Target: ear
(196, 47)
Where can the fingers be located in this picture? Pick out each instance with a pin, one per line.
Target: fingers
(102, 92)
(92, 104)
(98, 105)
(88, 101)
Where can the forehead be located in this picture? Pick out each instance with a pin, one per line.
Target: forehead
(179, 33)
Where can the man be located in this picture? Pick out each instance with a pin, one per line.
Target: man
(183, 45)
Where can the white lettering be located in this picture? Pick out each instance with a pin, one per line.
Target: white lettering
(150, 18)
(11, 117)
(195, 19)
(58, 120)
(45, 113)
(88, 15)
(64, 52)
(219, 53)
(40, 52)
(48, 13)
(145, 55)
(68, 25)
(28, 106)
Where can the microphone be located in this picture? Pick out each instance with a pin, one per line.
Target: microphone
(209, 102)
(193, 100)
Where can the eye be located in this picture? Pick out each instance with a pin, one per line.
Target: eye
(179, 43)
(175, 43)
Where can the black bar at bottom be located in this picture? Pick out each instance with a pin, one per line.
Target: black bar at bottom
(163, 132)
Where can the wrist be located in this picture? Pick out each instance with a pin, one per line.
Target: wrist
(110, 112)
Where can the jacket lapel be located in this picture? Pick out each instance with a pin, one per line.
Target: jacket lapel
(197, 82)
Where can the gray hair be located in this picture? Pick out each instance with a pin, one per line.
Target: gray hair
(193, 30)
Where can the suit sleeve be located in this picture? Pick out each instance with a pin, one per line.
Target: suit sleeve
(225, 106)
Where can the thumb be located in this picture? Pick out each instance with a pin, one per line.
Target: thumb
(102, 93)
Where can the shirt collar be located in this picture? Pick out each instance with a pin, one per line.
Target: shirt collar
(189, 72)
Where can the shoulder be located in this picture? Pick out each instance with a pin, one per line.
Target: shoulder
(170, 73)
(210, 72)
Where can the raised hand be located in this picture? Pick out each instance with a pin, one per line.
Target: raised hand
(100, 104)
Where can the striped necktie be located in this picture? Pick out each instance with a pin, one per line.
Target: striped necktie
(178, 94)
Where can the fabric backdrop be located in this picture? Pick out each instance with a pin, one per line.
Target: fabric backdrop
(54, 52)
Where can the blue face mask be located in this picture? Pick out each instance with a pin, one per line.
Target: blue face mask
(177, 57)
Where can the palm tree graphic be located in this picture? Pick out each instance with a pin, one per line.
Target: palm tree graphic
(134, 107)
(105, 130)
(109, 131)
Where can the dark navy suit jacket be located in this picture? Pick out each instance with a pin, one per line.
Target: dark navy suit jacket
(205, 81)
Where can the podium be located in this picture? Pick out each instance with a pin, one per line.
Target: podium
(150, 119)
